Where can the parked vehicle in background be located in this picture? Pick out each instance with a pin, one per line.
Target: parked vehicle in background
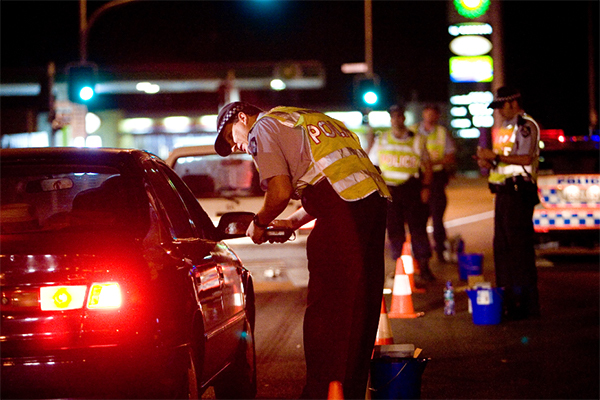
(222, 184)
(569, 188)
(115, 282)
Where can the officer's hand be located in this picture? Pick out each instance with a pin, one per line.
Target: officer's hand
(485, 154)
(255, 233)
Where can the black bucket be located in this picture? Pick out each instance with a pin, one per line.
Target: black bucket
(396, 378)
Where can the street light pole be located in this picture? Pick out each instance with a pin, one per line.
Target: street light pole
(83, 31)
(85, 25)
(368, 39)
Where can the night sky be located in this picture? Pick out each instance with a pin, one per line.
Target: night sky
(546, 42)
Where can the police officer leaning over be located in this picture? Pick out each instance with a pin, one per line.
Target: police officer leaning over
(406, 168)
(305, 154)
(513, 161)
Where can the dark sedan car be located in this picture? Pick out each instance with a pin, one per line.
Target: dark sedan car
(115, 282)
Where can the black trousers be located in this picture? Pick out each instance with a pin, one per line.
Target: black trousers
(514, 252)
(407, 208)
(346, 264)
(438, 202)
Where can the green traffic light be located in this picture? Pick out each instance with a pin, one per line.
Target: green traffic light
(81, 83)
(370, 97)
(86, 93)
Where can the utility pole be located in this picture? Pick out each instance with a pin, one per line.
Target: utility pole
(85, 25)
(369, 38)
(80, 110)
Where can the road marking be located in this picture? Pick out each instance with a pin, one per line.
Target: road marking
(465, 220)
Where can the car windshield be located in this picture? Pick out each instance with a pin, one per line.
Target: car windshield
(49, 198)
(214, 176)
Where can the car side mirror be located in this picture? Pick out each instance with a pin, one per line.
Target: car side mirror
(234, 224)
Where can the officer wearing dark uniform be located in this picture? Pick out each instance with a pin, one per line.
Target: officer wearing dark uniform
(513, 161)
(305, 154)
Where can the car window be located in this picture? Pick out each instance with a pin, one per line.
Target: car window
(211, 175)
(201, 220)
(178, 218)
(55, 197)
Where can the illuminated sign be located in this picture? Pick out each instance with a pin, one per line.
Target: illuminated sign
(470, 28)
(471, 69)
(471, 8)
(470, 45)
(470, 112)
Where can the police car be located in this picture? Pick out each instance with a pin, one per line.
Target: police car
(568, 215)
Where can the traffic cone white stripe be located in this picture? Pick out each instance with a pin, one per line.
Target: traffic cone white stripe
(409, 267)
(401, 286)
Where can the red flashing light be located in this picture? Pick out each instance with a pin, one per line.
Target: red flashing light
(550, 134)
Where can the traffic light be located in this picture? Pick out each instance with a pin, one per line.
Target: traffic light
(82, 83)
(367, 93)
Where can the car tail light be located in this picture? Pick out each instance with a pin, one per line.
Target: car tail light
(104, 295)
(59, 298)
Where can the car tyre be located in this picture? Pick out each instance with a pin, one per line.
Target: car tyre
(187, 384)
(238, 381)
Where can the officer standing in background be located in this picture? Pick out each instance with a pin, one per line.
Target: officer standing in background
(513, 161)
(305, 154)
(441, 150)
(404, 161)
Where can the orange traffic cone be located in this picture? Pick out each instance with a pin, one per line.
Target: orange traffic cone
(384, 331)
(409, 268)
(402, 304)
(335, 391)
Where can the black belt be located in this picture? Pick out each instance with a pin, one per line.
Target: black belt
(512, 184)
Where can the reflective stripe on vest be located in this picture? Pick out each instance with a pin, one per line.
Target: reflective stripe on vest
(398, 159)
(335, 151)
(503, 141)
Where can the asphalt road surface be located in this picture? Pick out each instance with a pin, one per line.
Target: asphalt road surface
(553, 357)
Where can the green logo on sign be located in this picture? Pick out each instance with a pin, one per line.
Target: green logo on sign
(471, 8)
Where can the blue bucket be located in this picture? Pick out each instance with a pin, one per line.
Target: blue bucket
(487, 306)
(396, 378)
(469, 264)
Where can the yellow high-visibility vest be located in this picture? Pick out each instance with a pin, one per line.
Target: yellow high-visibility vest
(399, 160)
(336, 153)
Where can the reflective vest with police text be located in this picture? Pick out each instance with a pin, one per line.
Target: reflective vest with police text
(336, 153)
(399, 159)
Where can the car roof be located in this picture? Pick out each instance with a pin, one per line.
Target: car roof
(188, 151)
(124, 158)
